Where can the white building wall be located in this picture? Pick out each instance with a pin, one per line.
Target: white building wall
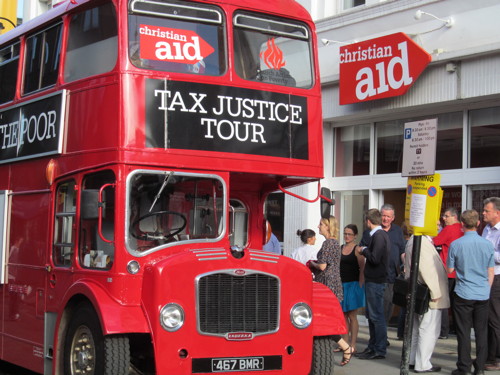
(463, 75)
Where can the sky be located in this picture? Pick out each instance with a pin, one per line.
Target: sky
(20, 8)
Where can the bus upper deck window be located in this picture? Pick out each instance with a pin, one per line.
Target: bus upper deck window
(9, 58)
(177, 37)
(92, 43)
(43, 50)
(272, 50)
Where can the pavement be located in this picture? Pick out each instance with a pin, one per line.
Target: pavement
(445, 356)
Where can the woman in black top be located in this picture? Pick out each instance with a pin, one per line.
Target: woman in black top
(351, 273)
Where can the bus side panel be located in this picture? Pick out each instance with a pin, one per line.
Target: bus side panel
(92, 128)
(24, 295)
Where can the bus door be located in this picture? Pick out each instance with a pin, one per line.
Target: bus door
(84, 247)
(24, 291)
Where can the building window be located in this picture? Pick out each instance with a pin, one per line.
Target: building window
(484, 137)
(351, 207)
(389, 146)
(479, 194)
(448, 147)
(352, 151)
(348, 4)
(449, 141)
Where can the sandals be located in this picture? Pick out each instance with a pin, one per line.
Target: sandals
(346, 357)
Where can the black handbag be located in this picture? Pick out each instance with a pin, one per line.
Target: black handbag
(422, 295)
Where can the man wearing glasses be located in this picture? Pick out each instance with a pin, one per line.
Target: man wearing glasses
(451, 231)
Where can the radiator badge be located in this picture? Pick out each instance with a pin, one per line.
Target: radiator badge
(240, 272)
(239, 336)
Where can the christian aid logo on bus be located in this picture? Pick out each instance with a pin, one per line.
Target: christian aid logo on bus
(380, 68)
(173, 45)
(273, 56)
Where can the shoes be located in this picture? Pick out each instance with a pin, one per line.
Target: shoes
(411, 367)
(400, 338)
(432, 369)
(479, 372)
(458, 372)
(346, 357)
(371, 355)
(492, 367)
(443, 337)
(367, 350)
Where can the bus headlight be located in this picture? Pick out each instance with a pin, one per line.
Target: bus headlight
(171, 317)
(301, 315)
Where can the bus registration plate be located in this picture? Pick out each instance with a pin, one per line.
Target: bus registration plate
(241, 364)
(237, 364)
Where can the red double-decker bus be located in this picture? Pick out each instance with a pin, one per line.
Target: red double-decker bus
(139, 141)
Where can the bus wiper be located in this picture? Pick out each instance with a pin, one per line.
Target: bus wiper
(165, 183)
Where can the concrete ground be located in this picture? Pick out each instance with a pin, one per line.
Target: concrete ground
(445, 356)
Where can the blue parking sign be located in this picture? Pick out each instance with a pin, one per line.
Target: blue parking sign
(408, 133)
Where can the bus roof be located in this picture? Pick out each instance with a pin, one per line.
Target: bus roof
(289, 8)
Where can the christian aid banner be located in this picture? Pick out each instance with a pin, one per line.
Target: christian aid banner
(172, 45)
(33, 129)
(380, 68)
(195, 116)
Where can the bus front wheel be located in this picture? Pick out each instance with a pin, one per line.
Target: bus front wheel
(323, 362)
(88, 352)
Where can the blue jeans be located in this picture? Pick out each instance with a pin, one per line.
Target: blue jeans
(376, 319)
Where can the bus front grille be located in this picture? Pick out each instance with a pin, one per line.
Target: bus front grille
(232, 303)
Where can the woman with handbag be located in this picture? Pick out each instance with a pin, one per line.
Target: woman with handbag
(426, 327)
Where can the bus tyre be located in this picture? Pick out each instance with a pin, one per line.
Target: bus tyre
(88, 352)
(323, 361)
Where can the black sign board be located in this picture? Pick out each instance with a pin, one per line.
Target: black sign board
(195, 116)
(32, 129)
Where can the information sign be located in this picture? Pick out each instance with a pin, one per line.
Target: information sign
(419, 148)
(423, 204)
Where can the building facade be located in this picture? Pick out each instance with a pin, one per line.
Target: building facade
(363, 141)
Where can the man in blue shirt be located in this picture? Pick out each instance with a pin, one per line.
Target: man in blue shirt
(273, 245)
(472, 257)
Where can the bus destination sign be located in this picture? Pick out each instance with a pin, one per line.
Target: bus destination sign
(194, 116)
(32, 129)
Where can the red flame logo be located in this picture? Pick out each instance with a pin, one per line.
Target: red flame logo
(273, 56)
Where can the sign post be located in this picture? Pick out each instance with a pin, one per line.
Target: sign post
(423, 206)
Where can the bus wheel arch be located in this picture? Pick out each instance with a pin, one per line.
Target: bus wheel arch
(140, 348)
(87, 351)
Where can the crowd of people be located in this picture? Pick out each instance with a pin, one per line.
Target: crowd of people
(460, 267)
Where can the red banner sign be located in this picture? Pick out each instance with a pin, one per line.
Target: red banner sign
(380, 68)
(172, 45)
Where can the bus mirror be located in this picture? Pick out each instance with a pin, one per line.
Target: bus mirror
(90, 204)
(326, 202)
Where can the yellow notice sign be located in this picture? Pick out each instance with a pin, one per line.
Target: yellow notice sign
(423, 204)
